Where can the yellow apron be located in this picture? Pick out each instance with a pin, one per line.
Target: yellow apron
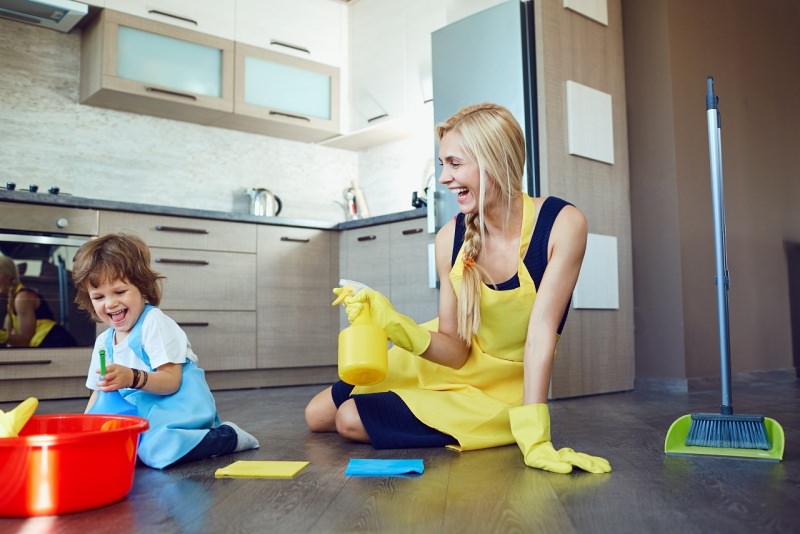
(43, 326)
(471, 404)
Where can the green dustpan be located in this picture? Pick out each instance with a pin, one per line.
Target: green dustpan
(675, 443)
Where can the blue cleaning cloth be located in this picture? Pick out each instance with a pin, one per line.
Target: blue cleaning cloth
(365, 467)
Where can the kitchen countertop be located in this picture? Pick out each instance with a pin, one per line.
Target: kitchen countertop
(49, 199)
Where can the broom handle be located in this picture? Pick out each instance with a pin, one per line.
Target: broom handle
(722, 280)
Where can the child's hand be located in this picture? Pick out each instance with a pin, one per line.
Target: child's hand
(117, 377)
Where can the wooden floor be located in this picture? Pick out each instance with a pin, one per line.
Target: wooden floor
(479, 491)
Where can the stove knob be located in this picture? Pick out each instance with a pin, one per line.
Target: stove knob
(54, 190)
(11, 186)
(33, 188)
(62, 222)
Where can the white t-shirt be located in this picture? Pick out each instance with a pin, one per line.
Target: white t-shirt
(162, 339)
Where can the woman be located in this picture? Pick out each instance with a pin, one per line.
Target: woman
(507, 264)
(29, 321)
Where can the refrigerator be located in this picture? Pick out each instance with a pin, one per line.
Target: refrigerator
(488, 56)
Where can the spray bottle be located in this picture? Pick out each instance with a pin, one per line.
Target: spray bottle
(110, 402)
(363, 347)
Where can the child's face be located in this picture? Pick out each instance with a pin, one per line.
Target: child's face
(118, 304)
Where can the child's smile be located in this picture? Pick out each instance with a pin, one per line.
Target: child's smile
(118, 304)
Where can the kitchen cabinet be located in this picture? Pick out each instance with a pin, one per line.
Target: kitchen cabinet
(284, 96)
(389, 71)
(297, 270)
(213, 17)
(309, 29)
(135, 64)
(210, 270)
(395, 259)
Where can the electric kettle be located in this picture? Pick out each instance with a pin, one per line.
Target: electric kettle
(263, 202)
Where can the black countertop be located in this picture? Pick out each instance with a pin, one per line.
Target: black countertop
(49, 199)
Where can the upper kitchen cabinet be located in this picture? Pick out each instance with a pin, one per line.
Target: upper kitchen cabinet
(213, 17)
(284, 96)
(309, 29)
(389, 70)
(135, 64)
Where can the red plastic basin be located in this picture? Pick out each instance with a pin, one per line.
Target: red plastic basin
(67, 463)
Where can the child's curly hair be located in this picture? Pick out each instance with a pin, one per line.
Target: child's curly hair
(114, 257)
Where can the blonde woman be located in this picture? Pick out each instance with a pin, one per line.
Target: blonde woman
(29, 321)
(508, 263)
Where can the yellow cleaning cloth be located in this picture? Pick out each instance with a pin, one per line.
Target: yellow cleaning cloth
(260, 469)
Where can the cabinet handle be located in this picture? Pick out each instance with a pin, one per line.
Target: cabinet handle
(295, 239)
(412, 231)
(366, 238)
(161, 228)
(378, 117)
(170, 93)
(181, 262)
(190, 323)
(290, 116)
(170, 15)
(28, 362)
(289, 45)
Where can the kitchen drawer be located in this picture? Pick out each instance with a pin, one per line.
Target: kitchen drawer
(48, 219)
(222, 340)
(18, 364)
(206, 280)
(365, 252)
(182, 232)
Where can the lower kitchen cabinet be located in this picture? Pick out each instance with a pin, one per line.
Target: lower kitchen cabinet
(297, 326)
(393, 258)
(210, 276)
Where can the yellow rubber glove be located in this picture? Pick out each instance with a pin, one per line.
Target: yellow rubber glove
(3, 336)
(402, 330)
(12, 422)
(530, 425)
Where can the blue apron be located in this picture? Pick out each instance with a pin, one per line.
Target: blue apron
(178, 422)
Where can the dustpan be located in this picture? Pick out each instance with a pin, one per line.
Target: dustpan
(675, 444)
(680, 431)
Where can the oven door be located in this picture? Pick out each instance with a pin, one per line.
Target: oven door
(45, 265)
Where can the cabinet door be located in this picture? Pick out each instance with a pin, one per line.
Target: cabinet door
(296, 322)
(134, 64)
(410, 265)
(377, 62)
(214, 17)
(310, 29)
(284, 96)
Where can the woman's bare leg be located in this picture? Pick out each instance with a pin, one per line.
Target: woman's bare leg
(348, 422)
(321, 412)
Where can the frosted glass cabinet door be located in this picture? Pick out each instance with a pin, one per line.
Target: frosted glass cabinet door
(285, 96)
(143, 66)
(157, 59)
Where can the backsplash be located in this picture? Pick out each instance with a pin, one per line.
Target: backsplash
(48, 139)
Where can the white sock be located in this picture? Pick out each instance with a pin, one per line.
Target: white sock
(244, 440)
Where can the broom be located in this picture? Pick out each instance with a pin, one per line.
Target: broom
(724, 430)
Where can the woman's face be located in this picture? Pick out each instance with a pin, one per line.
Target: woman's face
(460, 172)
(117, 303)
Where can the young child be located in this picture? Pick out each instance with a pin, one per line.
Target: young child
(151, 360)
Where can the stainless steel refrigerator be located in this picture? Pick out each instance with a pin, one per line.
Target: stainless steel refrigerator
(486, 57)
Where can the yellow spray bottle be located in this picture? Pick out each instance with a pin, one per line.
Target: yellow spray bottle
(363, 348)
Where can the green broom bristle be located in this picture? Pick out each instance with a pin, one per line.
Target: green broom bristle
(728, 431)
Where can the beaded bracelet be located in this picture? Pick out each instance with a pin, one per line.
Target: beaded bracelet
(135, 378)
(144, 380)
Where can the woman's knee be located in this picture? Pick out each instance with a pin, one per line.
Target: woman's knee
(320, 413)
(348, 422)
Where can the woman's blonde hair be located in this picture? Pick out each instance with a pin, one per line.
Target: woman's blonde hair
(114, 257)
(493, 138)
(9, 269)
